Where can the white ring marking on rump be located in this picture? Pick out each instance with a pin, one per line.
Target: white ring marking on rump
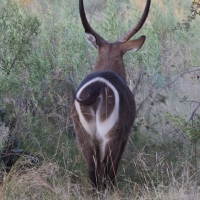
(102, 127)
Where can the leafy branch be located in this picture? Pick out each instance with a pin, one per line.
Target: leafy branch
(186, 23)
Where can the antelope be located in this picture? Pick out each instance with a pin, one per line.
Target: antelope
(103, 107)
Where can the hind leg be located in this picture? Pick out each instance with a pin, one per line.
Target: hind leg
(92, 157)
(91, 153)
(109, 165)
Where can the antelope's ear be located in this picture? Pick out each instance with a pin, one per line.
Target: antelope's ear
(91, 40)
(133, 45)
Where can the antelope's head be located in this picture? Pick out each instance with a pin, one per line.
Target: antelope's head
(110, 55)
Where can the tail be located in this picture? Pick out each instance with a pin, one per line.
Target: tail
(89, 92)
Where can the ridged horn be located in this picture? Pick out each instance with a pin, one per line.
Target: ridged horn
(86, 25)
(138, 26)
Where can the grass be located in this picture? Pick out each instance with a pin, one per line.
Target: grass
(43, 58)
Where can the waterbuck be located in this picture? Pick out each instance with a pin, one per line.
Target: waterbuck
(103, 108)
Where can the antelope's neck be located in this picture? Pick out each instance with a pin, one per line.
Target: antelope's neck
(113, 63)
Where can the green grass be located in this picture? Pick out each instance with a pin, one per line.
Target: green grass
(43, 58)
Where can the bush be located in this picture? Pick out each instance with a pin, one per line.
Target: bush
(43, 58)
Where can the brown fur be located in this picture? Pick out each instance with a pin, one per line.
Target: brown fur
(102, 155)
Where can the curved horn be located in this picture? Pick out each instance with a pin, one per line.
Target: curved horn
(138, 26)
(86, 25)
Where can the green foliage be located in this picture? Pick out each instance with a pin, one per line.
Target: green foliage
(17, 33)
(110, 22)
(3, 136)
(44, 56)
(186, 23)
(190, 128)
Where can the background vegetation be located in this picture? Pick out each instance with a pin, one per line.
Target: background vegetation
(43, 58)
